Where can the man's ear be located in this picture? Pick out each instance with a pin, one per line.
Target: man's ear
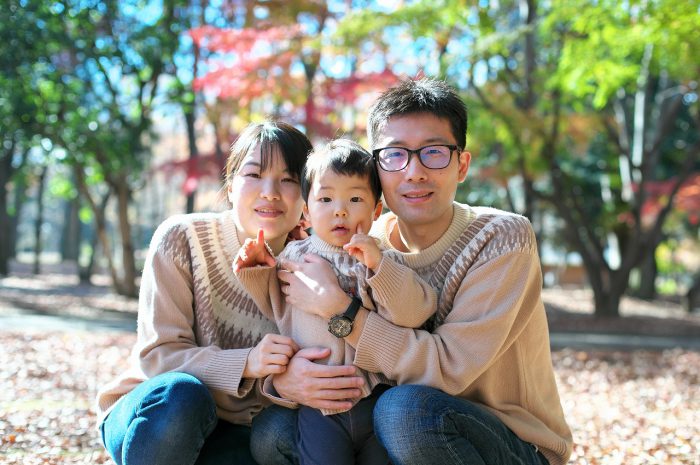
(378, 209)
(464, 160)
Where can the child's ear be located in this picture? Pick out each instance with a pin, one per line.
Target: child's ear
(378, 209)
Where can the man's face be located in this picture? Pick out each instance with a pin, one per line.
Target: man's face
(421, 196)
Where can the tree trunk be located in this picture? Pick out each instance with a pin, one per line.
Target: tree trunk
(691, 301)
(648, 271)
(6, 244)
(70, 234)
(192, 142)
(39, 220)
(85, 273)
(128, 287)
(100, 226)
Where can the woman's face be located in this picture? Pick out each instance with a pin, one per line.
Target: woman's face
(269, 200)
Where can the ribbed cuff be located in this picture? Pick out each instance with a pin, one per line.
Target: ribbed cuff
(225, 372)
(254, 279)
(380, 345)
(387, 281)
(268, 390)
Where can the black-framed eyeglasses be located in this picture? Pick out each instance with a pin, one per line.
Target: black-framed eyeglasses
(434, 157)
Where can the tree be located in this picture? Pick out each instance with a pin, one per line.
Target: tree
(546, 80)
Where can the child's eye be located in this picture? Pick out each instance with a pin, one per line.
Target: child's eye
(324, 199)
(356, 199)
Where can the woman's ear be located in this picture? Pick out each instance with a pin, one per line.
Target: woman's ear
(305, 213)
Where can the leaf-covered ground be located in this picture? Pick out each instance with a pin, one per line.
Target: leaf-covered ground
(624, 407)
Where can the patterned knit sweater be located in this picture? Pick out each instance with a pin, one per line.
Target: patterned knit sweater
(489, 340)
(409, 304)
(194, 317)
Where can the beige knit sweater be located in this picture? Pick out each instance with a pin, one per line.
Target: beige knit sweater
(399, 296)
(488, 341)
(194, 317)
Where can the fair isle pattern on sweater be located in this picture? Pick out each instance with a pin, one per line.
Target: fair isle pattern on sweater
(488, 341)
(220, 300)
(195, 317)
(476, 242)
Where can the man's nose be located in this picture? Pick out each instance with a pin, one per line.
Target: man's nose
(415, 171)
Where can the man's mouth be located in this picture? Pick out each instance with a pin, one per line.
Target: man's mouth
(417, 195)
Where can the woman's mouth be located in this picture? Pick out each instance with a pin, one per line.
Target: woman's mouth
(268, 212)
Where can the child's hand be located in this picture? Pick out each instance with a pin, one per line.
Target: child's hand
(270, 356)
(365, 249)
(253, 252)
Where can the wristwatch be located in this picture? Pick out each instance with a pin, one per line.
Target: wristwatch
(341, 325)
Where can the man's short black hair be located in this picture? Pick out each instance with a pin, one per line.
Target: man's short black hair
(424, 95)
(344, 157)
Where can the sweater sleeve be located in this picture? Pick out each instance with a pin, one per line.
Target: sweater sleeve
(166, 340)
(491, 307)
(409, 304)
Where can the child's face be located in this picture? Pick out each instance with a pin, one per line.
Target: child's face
(269, 200)
(338, 204)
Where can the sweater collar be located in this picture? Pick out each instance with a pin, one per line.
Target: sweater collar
(324, 247)
(462, 215)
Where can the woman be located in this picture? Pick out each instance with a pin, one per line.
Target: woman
(189, 395)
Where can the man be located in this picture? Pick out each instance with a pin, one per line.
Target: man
(476, 384)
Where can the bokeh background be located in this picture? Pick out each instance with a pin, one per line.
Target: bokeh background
(583, 116)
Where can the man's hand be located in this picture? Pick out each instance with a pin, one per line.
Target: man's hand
(270, 356)
(253, 252)
(312, 286)
(365, 249)
(316, 385)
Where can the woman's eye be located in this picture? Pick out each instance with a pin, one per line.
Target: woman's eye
(251, 174)
(292, 180)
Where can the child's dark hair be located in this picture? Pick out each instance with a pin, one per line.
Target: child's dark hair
(344, 157)
(293, 146)
(424, 95)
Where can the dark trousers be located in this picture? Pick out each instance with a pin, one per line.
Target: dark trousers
(345, 438)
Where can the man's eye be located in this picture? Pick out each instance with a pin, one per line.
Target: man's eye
(394, 154)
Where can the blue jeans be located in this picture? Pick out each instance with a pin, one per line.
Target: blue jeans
(345, 438)
(171, 419)
(417, 425)
(423, 425)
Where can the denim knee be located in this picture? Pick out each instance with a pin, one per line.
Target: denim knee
(402, 416)
(163, 420)
(178, 405)
(273, 436)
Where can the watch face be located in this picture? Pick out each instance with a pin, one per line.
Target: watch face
(340, 326)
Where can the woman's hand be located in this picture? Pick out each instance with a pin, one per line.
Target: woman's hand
(316, 385)
(270, 356)
(253, 252)
(312, 286)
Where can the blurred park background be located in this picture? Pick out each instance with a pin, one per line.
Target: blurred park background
(583, 116)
